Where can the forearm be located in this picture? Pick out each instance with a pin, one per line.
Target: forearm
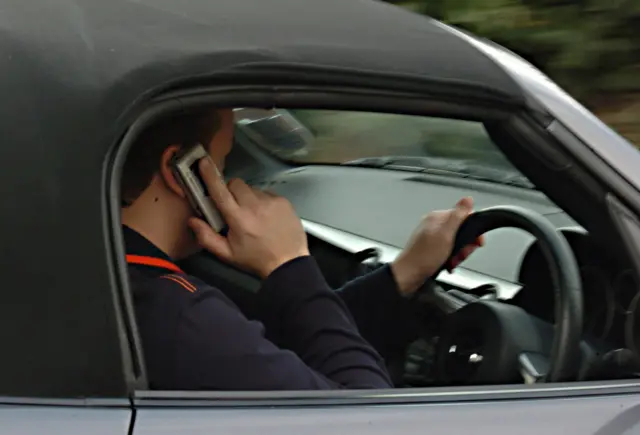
(298, 307)
(385, 319)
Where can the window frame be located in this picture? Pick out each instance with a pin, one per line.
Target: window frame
(334, 98)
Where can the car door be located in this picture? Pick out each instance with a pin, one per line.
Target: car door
(551, 410)
(26, 417)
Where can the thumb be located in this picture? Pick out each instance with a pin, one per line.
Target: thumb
(210, 240)
(463, 209)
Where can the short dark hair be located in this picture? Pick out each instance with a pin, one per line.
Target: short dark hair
(143, 160)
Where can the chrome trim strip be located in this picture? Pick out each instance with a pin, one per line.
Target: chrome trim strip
(220, 399)
(461, 277)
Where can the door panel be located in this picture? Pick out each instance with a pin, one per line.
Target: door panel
(611, 415)
(63, 420)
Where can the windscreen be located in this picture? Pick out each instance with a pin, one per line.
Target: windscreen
(381, 140)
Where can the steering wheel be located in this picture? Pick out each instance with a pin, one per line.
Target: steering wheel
(488, 341)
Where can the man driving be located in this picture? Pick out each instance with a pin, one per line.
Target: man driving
(306, 335)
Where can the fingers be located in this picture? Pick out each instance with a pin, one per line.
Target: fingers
(462, 256)
(210, 240)
(465, 253)
(463, 208)
(218, 191)
(228, 198)
(263, 194)
(245, 195)
(269, 193)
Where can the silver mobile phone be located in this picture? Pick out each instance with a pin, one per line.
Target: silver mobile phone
(186, 168)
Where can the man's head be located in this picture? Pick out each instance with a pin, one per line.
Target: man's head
(153, 202)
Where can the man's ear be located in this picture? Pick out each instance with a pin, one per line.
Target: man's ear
(166, 173)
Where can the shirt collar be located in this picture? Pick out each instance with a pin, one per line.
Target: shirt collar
(142, 253)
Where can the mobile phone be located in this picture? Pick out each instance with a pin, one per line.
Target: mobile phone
(185, 165)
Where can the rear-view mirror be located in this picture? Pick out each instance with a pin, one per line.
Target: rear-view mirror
(276, 130)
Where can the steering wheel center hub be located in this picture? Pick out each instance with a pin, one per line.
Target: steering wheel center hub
(482, 342)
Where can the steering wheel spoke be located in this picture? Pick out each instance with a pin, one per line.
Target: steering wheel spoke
(447, 302)
(533, 367)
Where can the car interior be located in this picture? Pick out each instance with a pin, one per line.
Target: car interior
(361, 181)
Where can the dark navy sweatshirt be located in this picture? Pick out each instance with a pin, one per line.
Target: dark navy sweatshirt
(195, 338)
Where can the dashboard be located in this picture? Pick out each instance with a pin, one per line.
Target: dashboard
(384, 206)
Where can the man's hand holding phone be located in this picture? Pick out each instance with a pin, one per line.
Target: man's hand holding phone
(264, 231)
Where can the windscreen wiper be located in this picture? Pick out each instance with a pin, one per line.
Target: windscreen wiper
(408, 163)
(499, 175)
(445, 167)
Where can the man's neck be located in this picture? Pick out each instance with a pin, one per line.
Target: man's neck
(156, 228)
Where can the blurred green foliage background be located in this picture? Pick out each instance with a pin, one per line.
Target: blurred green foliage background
(589, 47)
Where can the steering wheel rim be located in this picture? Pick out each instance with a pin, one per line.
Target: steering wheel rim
(565, 276)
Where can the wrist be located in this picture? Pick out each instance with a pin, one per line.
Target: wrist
(271, 266)
(407, 276)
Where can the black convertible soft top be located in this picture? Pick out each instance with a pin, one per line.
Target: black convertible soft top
(72, 69)
(93, 47)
